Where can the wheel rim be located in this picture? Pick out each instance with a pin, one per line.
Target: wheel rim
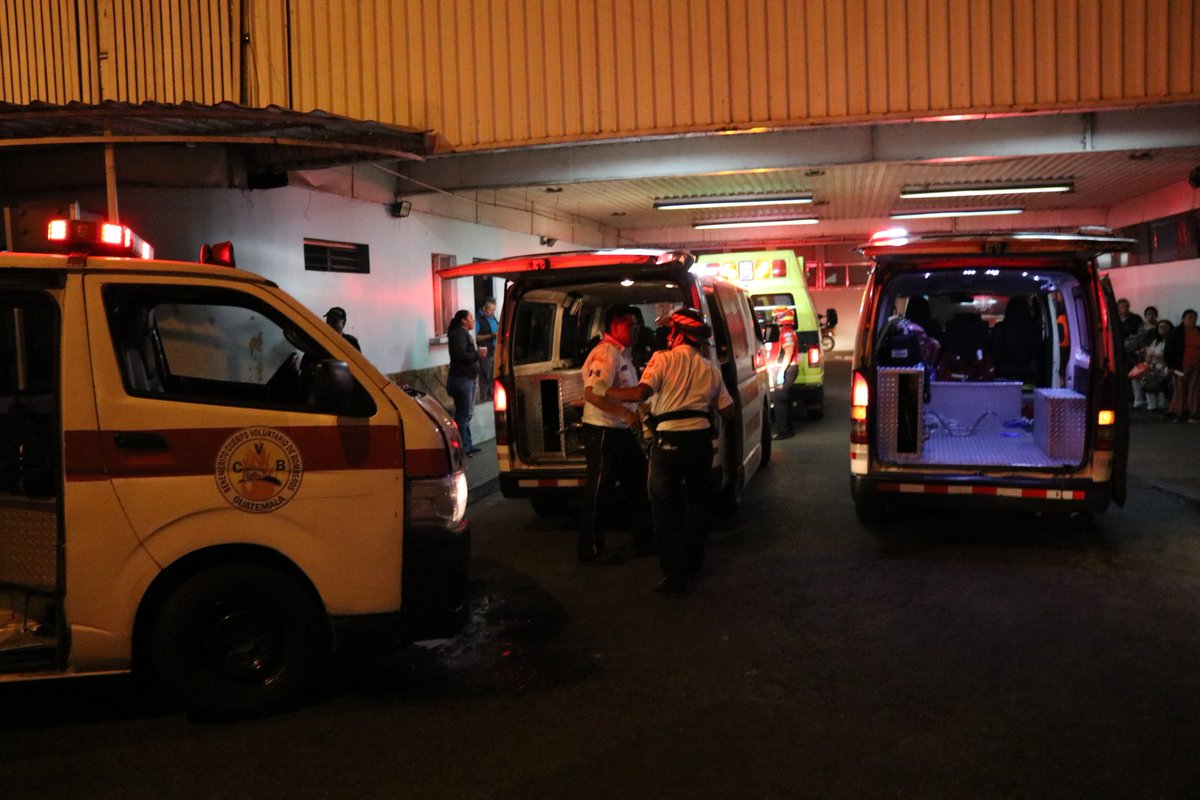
(243, 645)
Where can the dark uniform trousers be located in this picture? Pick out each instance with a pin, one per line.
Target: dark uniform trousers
(781, 402)
(614, 456)
(680, 487)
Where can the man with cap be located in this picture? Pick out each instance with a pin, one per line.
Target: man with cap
(336, 319)
(684, 387)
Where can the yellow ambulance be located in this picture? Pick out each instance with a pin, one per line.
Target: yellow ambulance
(775, 280)
(201, 480)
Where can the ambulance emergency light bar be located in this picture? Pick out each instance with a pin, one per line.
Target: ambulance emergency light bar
(103, 238)
(747, 270)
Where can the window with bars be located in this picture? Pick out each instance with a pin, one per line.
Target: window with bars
(321, 255)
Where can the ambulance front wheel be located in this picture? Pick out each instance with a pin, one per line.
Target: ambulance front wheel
(240, 640)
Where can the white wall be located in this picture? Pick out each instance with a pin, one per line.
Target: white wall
(390, 309)
(847, 301)
(1170, 287)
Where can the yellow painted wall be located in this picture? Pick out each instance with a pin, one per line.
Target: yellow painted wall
(492, 73)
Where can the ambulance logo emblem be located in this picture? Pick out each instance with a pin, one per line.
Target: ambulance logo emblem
(259, 470)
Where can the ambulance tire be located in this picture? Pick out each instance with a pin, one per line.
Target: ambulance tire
(550, 506)
(238, 641)
(870, 511)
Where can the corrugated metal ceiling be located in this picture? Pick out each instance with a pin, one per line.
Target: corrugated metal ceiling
(866, 191)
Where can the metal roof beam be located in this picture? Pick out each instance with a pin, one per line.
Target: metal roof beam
(1146, 128)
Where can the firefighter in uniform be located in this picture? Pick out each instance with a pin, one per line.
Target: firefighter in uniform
(611, 437)
(684, 388)
(783, 372)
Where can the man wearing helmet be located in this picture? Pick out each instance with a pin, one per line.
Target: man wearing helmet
(684, 388)
(611, 438)
(783, 372)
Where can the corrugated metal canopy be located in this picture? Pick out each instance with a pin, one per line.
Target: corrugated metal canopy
(271, 138)
(855, 175)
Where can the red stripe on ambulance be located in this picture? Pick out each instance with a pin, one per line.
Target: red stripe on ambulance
(552, 483)
(990, 491)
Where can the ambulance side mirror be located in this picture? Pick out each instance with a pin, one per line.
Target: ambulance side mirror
(333, 388)
(771, 333)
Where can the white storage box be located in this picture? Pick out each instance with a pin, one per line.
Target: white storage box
(983, 406)
(900, 431)
(1060, 423)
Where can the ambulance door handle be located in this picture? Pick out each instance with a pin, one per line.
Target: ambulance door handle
(141, 440)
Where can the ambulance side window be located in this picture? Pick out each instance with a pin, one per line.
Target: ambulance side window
(211, 346)
(533, 333)
(29, 395)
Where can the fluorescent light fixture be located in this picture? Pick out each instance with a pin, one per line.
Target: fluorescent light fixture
(962, 212)
(756, 223)
(979, 190)
(732, 202)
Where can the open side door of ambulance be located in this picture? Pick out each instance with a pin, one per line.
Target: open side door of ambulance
(1120, 374)
(33, 627)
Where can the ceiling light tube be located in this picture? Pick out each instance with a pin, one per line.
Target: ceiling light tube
(731, 202)
(967, 190)
(962, 212)
(756, 223)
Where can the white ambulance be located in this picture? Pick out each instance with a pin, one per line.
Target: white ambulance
(553, 314)
(201, 480)
(988, 375)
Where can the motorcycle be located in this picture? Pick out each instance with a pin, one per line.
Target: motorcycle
(828, 323)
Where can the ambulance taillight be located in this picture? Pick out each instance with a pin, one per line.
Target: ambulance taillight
(814, 355)
(860, 397)
(500, 407)
(499, 396)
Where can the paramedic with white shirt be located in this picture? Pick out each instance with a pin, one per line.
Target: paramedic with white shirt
(611, 432)
(684, 388)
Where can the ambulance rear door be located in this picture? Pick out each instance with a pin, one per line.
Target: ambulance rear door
(1119, 379)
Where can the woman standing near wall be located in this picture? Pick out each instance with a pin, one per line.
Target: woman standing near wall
(1182, 354)
(464, 372)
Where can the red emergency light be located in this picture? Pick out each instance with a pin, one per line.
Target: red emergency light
(102, 238)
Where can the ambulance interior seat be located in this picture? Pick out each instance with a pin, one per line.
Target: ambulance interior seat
(137, 349)
(1017, 344)
(919, 311)
(966, 351)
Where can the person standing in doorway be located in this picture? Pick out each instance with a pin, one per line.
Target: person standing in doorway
(486, 328)
(464, 373)
(685, 389)
(611, 432)
(336, 319)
